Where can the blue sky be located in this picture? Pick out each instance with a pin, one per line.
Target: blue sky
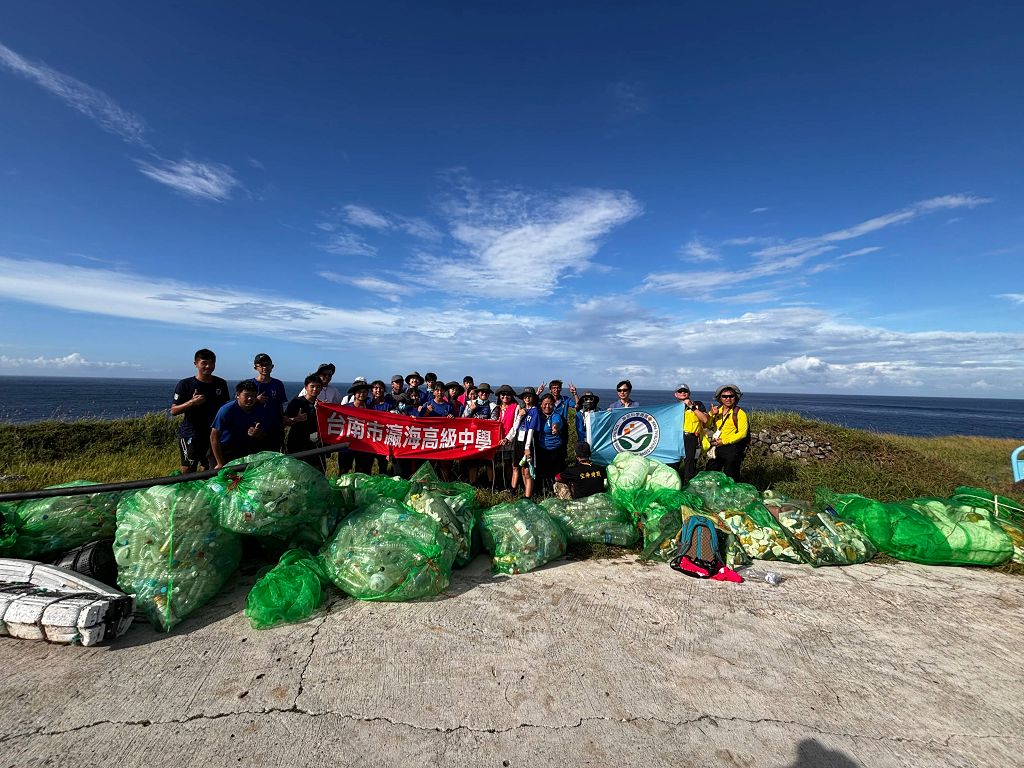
(791, 197)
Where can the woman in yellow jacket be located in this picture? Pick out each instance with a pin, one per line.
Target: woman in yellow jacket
(729, 430)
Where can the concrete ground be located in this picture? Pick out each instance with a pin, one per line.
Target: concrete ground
(583, 663)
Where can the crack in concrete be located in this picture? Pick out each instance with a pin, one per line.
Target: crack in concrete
(309, 657)
(447, 732)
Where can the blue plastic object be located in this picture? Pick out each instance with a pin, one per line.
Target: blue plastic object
(1017, 464)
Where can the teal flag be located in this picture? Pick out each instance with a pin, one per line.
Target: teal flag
(655, 432)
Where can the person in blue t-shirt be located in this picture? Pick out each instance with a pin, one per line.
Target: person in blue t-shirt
(550, 459)
(271, 400)
(524, 445)
(237, 430)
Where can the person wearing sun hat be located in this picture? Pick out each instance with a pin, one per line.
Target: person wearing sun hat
(586, 402)
(729, 428)
(524, 449)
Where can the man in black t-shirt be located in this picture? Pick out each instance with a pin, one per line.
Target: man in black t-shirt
(581, 478)
(300, 416)
(198, 398)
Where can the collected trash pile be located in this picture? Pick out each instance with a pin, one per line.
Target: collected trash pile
(385, 538)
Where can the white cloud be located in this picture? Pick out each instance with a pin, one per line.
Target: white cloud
(91, 102)
(386, 288)
(417, 227)
(206, 181)
(789, 260)
(507, 238)
(348, 244)
(859, 252)
(361, 216)
(759, 210)
(695, 250)
(629, 98)
(1016, 298)
(804, 244)
(73, 360)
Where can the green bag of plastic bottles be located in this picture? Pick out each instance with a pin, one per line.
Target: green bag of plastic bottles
(719, 492)
(629, 472)
(289, 592)
(355, 489)
(388, 551)
(594, 519)
(521, 536)
(929, 531)
(170, 552)
(274, 496)
(819, 537)
(452, 506)
(60, 523)
(1009, 514)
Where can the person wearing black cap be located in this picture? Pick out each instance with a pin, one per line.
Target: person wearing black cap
(329, 393)
(271, 400)
(582, 477)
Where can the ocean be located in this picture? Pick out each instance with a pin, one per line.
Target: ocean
(25, 399)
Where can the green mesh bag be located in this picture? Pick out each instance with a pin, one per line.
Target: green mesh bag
(819, 537)
(170, 552)
(521, 536)
(1009, 513)
(289, 592)
(929, 531)
(388, 551)
(57, 524)
(594, 519)
(424, 474)
(274, 496)
(719, 492)
(629, 472)
(355, 490)
(452, 505)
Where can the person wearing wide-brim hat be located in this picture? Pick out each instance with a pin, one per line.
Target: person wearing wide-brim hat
(729, 429)
(414, 375)
(586, 402)
(524, 441)
(454, 389)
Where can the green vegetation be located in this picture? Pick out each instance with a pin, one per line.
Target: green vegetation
(884, 467)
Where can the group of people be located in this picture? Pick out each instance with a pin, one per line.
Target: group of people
(534, 424)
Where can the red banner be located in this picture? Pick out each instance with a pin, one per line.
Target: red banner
(389, 434)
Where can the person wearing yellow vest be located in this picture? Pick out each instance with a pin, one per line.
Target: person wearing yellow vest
(692, 432)
(729, 429)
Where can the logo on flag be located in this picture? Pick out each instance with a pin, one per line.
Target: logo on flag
(636, 432)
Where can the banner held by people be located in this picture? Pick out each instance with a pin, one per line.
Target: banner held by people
(396, 436)
(653, 431)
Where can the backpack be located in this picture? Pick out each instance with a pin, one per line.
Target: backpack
(701, 546)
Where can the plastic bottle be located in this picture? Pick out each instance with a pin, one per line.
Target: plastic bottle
(756, 574)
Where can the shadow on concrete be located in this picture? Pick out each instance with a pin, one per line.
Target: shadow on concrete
(811, 754)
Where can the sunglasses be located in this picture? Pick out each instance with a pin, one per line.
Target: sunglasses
(727, 397)
(622, 390)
